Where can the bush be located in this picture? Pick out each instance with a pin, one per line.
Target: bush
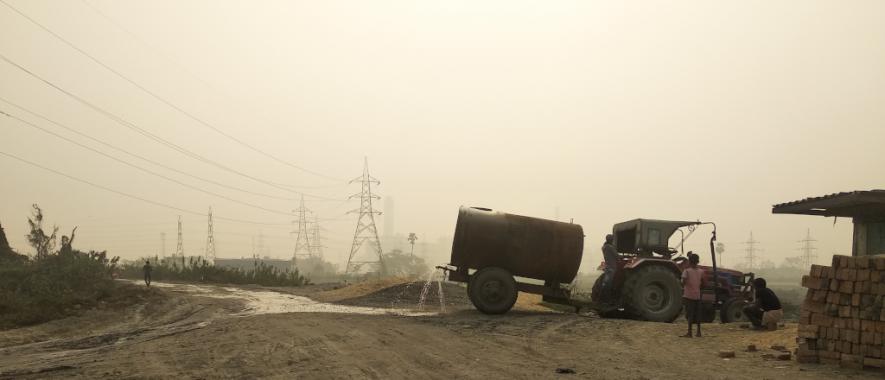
(53, 286)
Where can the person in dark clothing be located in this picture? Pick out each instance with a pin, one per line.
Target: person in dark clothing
(765, 312)
(610, 254)
(147, 272)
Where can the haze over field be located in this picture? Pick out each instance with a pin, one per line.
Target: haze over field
(604, 111)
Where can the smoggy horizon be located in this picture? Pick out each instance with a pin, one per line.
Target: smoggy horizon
(596, 112)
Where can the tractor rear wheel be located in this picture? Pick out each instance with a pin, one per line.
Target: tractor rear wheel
(653, 293)
(492, 290)
(733, 311)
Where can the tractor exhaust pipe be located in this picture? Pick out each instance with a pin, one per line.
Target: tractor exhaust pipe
(715, 271)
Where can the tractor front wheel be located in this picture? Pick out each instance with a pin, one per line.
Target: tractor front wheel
(733, 311)
(654, 293)
(492, 290)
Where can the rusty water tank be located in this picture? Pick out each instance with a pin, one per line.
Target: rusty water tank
(527, 247)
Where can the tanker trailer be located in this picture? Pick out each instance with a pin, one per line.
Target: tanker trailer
(491, 249)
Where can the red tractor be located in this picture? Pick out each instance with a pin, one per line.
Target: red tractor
(647, 282)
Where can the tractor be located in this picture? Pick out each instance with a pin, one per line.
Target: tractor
(647, 281)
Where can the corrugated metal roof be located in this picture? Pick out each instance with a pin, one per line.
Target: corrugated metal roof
(834, 195)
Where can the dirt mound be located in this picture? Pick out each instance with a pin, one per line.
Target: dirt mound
(407, 295)
(359, 289)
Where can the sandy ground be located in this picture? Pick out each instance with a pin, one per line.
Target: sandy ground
(378, 331)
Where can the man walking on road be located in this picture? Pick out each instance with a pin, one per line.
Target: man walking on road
(147, 272)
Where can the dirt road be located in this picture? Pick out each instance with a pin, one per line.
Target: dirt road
(188, 331)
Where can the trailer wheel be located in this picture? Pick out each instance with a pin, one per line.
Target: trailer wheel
(653, 293)
(492, 290)
(733, 311)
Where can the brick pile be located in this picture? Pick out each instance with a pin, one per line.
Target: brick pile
(843, 316)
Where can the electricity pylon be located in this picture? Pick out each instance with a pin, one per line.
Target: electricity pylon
(751, 252)
(210, 240)
(316, 244)
(366, 232)
(179, 249)
(808, 248)
(302, 242)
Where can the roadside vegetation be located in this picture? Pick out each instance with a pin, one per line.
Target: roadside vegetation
(55, 282)
(196, 269)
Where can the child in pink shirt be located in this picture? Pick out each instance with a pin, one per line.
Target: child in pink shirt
(692, 280)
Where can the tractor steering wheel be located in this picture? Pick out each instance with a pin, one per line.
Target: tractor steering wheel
(679, 259)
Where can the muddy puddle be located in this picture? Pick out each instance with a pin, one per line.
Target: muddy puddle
(268, 302)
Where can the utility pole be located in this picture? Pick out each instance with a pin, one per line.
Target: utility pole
(210, 241)
(365, 232)
(751, 252)
(808, 248)
(302, 242)
(179, 249)
(162, 245)
(412, 238)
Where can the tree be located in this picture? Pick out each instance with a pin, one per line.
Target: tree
(792, 262)
(398, 263)
(4, 244)
(43, 244)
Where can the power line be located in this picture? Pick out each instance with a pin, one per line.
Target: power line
(141, 168)
(166, 102)
(156, 138)
(124, 151)
(155, 203)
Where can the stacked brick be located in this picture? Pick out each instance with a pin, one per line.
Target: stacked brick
(843, 316)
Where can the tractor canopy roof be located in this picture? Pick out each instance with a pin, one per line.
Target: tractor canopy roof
(647, 235)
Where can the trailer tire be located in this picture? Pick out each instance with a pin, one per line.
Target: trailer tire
(653, 293)
(492, 290)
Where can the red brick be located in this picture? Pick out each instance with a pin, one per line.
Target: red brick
(862, 275)
(846, 287)
(875, 363)
(862, 262)
(837, 260)
(808, 331)
(880, 261)
(834, 285)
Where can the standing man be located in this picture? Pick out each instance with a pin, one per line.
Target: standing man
(147, 272)
(765, 312)
(692, 281)
(610, 254)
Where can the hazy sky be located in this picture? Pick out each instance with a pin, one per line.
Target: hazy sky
(608, 110)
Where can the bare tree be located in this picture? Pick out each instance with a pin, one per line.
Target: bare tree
(42, 243)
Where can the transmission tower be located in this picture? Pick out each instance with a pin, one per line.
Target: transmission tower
(179, 249)
(751, 252)
(302, 242)
(316, 244)
(808, 248)
(366, 232)
(210, 240)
